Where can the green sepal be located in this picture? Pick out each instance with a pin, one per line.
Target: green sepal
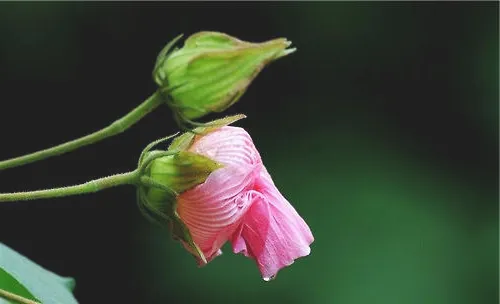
(158, 76)
(213, 40)
(151, 146)
(181, 171)
(158, 204)
(184, 141)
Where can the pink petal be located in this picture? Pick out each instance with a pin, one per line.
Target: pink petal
(240, 202)
(213, 209)
(271, 231)
(266, 186)
(231, 146)
(211, 227)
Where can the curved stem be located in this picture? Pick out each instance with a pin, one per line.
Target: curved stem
(115, 128)
(88, 187)
(16, 298)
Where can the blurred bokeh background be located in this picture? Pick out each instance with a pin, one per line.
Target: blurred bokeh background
(382, 130)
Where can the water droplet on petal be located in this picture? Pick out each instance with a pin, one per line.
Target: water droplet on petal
(267, 279)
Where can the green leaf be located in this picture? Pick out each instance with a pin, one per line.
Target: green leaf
(10, 284)
(23, 277)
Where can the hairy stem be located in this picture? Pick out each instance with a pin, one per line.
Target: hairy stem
(115, 128)
(88, 187)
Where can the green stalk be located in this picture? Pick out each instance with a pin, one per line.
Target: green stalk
(129, 178)
(15, 298)
(115, 128)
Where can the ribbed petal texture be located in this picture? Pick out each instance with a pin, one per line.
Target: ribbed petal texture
(241, 204)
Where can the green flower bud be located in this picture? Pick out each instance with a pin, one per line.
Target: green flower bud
(212, 71)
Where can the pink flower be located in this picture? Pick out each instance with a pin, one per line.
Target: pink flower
(240, 203)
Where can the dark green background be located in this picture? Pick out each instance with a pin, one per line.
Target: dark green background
(381, 130)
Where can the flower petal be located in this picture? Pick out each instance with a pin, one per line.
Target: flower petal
(212, 210)
(231, 146)
(272, 232)
(211, 223)
(239, 202)
(266, 186)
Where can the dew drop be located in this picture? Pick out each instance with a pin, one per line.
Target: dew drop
(267, 279)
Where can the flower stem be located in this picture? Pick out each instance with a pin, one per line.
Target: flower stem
(115, 128)
(88, 187)
(13, 297)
